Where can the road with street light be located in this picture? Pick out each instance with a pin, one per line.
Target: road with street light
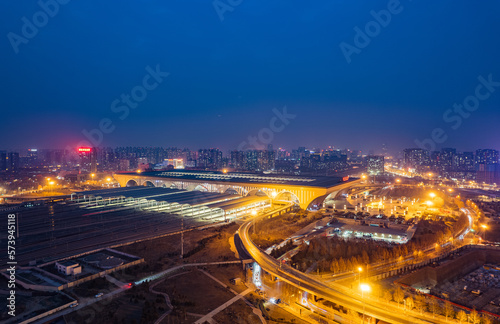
(332, 292)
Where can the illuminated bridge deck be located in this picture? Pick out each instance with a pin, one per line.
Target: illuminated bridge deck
(242, 177)
(304, 191)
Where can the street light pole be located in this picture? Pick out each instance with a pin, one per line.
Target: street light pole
(483, 227)
(363, 299)
(364, 287)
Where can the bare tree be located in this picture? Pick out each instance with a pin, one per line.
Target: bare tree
(486, 319)
(399, 295)
(448, 309)
(474, 317)
(410, 303)
(387, 296)
(434, 305)
(462, 316)
(420, 303)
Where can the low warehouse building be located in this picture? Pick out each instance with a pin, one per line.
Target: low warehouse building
(68, 267)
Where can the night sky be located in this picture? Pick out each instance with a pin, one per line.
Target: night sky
(226, 75)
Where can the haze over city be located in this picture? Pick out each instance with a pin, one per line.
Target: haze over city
(226, 76)
(253, 162)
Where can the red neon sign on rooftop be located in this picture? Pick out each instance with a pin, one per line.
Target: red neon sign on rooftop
(84, 149)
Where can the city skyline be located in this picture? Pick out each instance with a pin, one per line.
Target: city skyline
(25, 151)
(381, 150)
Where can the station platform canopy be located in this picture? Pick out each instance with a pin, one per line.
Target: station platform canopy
(208, 205)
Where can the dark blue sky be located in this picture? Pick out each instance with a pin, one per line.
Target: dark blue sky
(227, 76)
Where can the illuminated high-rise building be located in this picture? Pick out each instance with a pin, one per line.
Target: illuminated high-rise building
(487, 166)
(87, 160)
(3, 160)
(210, 159)
(375, 164)
(238, 160)
(12, 161)
(415, 158)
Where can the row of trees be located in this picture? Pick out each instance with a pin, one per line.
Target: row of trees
(439, 229)
(270, 231)
(426, 303)
(336, 254)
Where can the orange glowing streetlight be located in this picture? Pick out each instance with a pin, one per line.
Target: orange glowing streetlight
(484, 227)
(365, 287)
(432, 195)
(51, 183)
